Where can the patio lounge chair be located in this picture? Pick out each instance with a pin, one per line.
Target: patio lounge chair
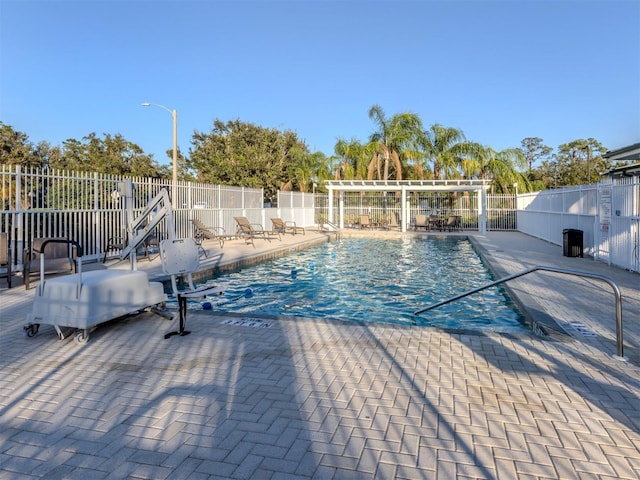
(249, 231)
(421, 222)
(202, 233)
(283, 227)
(59, 257)
(5, 256)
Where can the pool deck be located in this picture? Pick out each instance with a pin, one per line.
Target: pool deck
(293, 399)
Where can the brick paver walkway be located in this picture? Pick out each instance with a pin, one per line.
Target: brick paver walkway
(286, 399)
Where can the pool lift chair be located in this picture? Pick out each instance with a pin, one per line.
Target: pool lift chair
(81, 301)
(180, 258)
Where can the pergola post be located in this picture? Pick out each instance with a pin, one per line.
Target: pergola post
(482, 206)
(404, 218)
(330, 205)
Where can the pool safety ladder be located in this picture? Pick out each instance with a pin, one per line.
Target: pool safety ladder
(616, 292)
(332, 227)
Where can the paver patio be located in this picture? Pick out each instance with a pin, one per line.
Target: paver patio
(299, 398)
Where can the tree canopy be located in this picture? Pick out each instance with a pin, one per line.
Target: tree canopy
(575, 163)
(247, 155)
(401, 147)
(111, 154)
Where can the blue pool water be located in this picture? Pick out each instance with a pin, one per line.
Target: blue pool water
(372, 280)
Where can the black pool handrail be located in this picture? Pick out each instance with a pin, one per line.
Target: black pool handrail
(78, 262)
(79, 251)
(616, 292)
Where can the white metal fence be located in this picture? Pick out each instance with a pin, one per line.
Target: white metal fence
(86, 207)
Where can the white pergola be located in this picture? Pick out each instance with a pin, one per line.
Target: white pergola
(405, 187)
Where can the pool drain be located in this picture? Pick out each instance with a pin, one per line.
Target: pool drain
(582, 329)
(247, 322)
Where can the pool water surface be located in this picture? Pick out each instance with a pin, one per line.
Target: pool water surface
(373, 280)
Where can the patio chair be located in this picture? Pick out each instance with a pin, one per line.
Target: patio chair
(421, 222)
(365, 221)
(149, 244)
(59, 257)
(454, 222)
(202, 233)
(393, 223)
(5, 257)
(435, 222)
(283, 227)
(249, 231)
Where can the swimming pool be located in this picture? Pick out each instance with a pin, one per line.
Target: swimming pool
(373, 280)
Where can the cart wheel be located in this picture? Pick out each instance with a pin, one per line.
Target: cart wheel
(31, 329)
(81, 337)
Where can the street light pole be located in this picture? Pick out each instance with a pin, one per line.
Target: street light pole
(588, 165)
(174, 116)
(587, 148)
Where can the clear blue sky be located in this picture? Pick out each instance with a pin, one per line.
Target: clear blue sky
(498, 70)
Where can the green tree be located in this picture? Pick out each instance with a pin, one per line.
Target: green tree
(110, 155)
(445, 148)
(579, 162)
(546, 174)
(502, 167)
(304, 174)
(395, 142)
(248, 155)
(533, 150)
(352, 158)
(16, 149)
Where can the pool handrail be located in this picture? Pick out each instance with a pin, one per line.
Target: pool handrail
(336, 229)
(616, 292)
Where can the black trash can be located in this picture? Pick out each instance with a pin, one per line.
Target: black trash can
(572, 243)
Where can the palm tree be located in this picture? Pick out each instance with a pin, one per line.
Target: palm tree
(396, 141)
(353, 158)
(308, 170)
(445, 147)
(501, 167)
